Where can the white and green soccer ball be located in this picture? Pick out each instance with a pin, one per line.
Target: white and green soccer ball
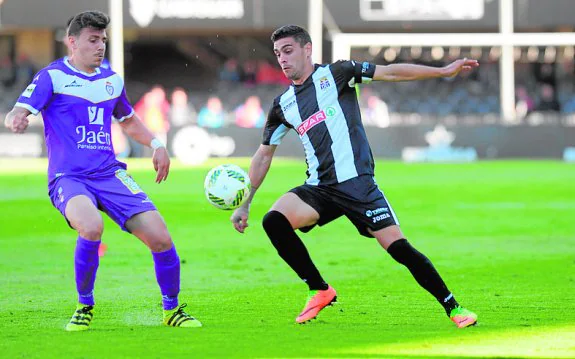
(227, 186)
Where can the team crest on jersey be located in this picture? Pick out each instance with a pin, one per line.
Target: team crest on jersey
(324, 83)
(109, 88)
(311, 121)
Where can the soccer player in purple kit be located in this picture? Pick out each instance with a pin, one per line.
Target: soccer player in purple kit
(77, 99)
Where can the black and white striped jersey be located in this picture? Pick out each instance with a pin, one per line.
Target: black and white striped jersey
(325, 114)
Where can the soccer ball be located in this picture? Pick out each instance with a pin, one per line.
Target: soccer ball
(227, 186)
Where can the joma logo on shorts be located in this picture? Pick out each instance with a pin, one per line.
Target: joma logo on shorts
(375, 212)
(311, 122)
(381, 217)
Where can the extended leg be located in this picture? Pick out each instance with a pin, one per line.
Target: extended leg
(391, 238)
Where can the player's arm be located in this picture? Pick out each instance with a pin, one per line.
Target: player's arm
(274, 131)
(411, 72)
(17, 119)
(31, 101)
(259, 168)
(135, 128)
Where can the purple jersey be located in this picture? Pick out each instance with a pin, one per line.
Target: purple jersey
(77, 109)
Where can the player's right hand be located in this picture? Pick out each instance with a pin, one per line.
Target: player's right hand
(161, 161)
(17, 124)
(240, 219)
(457, 66)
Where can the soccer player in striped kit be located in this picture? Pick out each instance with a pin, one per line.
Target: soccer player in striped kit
(321, 106)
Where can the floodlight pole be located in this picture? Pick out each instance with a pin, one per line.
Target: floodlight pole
(315, 28)
(506, 62)
(116, 12)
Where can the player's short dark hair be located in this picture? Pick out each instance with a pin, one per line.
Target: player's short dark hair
(69, 21)
(299, 34)
(87, 19)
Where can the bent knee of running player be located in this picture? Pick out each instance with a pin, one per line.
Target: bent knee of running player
(298, 213)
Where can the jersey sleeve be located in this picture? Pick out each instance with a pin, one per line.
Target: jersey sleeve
(352, 72)
(37, 95)
(123, 109)
(275, 129)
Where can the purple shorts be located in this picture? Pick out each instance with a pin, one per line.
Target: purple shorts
(118, 195)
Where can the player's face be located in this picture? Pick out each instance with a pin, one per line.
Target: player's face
(292, 57)
(89, 47)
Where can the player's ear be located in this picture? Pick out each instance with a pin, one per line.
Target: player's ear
(307, 48)
(72, 42)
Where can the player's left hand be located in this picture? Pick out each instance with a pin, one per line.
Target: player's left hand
(454, 68)
(161, 161)
(240, 218)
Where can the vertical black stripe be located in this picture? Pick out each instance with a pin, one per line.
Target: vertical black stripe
(270, 125)
(361, 151)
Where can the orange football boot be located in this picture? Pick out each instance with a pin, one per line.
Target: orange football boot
(463, 317)
(317, 300)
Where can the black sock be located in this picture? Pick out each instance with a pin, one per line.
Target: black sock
(292, 250)
(423, 271)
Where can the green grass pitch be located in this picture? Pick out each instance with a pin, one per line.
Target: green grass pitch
(502, 234)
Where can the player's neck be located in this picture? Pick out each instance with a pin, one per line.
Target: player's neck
(79, 67)
(306, 74)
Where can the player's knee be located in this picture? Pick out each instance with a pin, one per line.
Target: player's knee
(403, 252)
(275, 221)
(160, 241)
(161, 246)
(91, 230)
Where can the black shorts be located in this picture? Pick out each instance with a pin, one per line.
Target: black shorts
(359, 199)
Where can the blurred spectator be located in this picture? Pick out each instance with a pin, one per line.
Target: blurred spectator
(524, 103)
(230, 72)
(7, 72)
(282, 79)
(182, 112)
(266, 73)
(249, 72)
(153, 109)
(250, 114)
(212, 114)
(545, 72)
(376, 113)
(25, 71)
(548, 101)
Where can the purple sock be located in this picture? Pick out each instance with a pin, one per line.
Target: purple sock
(167, 266)
(86, 263)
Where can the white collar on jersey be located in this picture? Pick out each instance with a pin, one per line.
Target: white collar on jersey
(67, 63)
